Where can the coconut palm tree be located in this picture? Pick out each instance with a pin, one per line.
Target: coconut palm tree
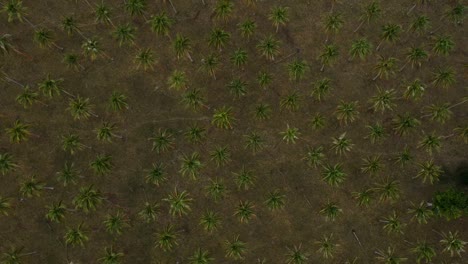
(321, 88)
(444, 77)
(331, 211)
(420, 24)
(219, 38)
(390, 33)
(388, 189)
(360, 48)
(388, 256)
(347, 112)
(456, 14)
(376, 133)
(326, 246)
(318, 121)
(69, 174)
(383, 100)
(269, 47)
(424, 252)
(239, 58)
(332, 24)
(238, 87)
(439, 112)
(329, 55)
(254, 141)
(291, 101)
(245, 179)
(5, 205)
(177, 80)
(372, 165)
(19, 132)
(135, 7)
(162, 141)
(223, 9)
(118, 101)
(145, 58)
(235, 249)
(370, 13)
(182, 46)
(110, 256)
(341, 144)
(275, 200)
(72, 143)
(69, 25)
(403, 124)
(14, 9)
(56, 212)
(247, 28)
(393, 224)
(91, 48)
(211, 64)
(279, 16)
(364, 197)
(462, 132)
(296, 255)
(191, 165)
(124, 34)
(264, 79)
(76, 236)
(244, 211)
(7, 163)
(414, 90)
(167, 238)
(222, 117)
(161, 24)
(404, 157)
(452, 243)
(415, 57)
(297, 69)
(429, 172)
(179, 202)
(51, 87)
(333, 175)
(71, 60)
(421, 212)
(210, 221)
(216, 189)
(385, 67)
(150, 212)
(290, 134)
(314, 156)
(103, 14)
(87, 199)
(431, 143)
(27, 97)
(102, 165)
(443, 45)
(194, 99)
(156, 175)
(221, 155)
(195, 134)
(262, 111)
(114, 223)
(105, 132)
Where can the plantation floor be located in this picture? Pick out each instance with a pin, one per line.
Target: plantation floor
(279, 166)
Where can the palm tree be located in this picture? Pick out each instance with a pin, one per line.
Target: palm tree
(235, 249)
(262, 111)
(179, 203)
(342, 144)
(297, 69)
(102, 164)
(5, 205)
(424, 252)
(347, 112)
(216, 189)
(161, 24)
(275, 200)
(156, 175)
(383, 100)
(223, 9)
(222, 117)
(239, 58)
(332, 24)
(269, 47)
(6, 46)
(125, 34)
(388, 256)
(18, 132)
(404, 157)
(51, 87)
(444, 77)
(167, 238)
(414, 90)
(452, 243)
(118, 101)
(69, 174)
(221, 155)
(245, 179)
(194, 99)
(27, 97)
(7, 163)
(420, 24)
(372, 165)
(211, 64)
(244, 211)
(191, 165)
(318, 121)
(429, 172)
(71, 143)
(431, 143)
(69, 25)
(389, 190)
(314, 156)
(88, 199)
(291, 101)
(135, 7)
(290, 134)
(103, 13)
(177, 80)
(195, 134)
(421, 212)
(115, 223)
(149, 212)
(56, 212)
(264, 79)
(71, 60)
(415, 56)
(333, 175)
(145, 58)
(360, 48)
(376, 132)
(76, 236)
(162, 141)
(326, 246)
(331, 211)
(247, 28)
(254, 141)
(443, 45)
(110, 256)
(364, 197)
(439, 112)
(462, 132)
(295, 255)
(105, 132)
(182, 46)
(456, 14)
(14, 10)
(210, 221)
(201, 257)
(218, 38)
(329, 55)
(393, 224)
(321, 88)
(91, 47)
(385, 67)
(390, 33)
(403, 124)
(370, 13)
(238, 87)
(279, 15)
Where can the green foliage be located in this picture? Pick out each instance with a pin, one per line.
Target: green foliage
(388, 256)
(201, 257)
(331, 211)
(114, 223)
(193, 99)
(347, 111)
(102, 165)
(69, 174)
(191, 165)
(76, 236)
(43, 37)
(88, 199)
(329, 55)
(235, 249)
(5, 205)
(247, 28)
(216, 189)
(245, 179)
(389, 190)
(372, 165)
(222, 117)
(444, 77)
(360, 48)
(102, 13)
(161, 23)
(314, 156)
(19, 132)
(27, 97)
(71, 143)
(318, 121)
(150, 212)
(403, 124)
(80, 108)
(223, 9)
(135, 7)
(182, 46)
(118, 101)
(451, 204)
(291, 101)
(443, 45)
(167, 238)
(326, 246)
(321, 89)
(414, 90)
(452, 243)
(421, 212)
(111, 257)
(296, 255)
(275, 200)
(333, 23)
(14, 9)
(424, 252)
(50, 87)
(31, 187)
(377, 133)
(404, 157)
(420, 24)
(254, 142)
(269, 47)
(91, 48)
(364, 197)
(211, 64)
(162, 141)
(262, 111)
(279, 16)
(342, 144)
(431, 143)
(238, 87)
(104, 133)
(145, 58)
(125, 34)
(56, 212)
(210, 221)
(7, 163)
(290, 134)
(244, 211)
(297, 69)
(264, 79)
(221, 155)
(383, 100)
(239, 57)
(219, 38)
(195, 134)
(385, 67)
(333, 175)
(439, 112)
(393, 224)
(69, 25)
(156, 175)
(179, 203)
